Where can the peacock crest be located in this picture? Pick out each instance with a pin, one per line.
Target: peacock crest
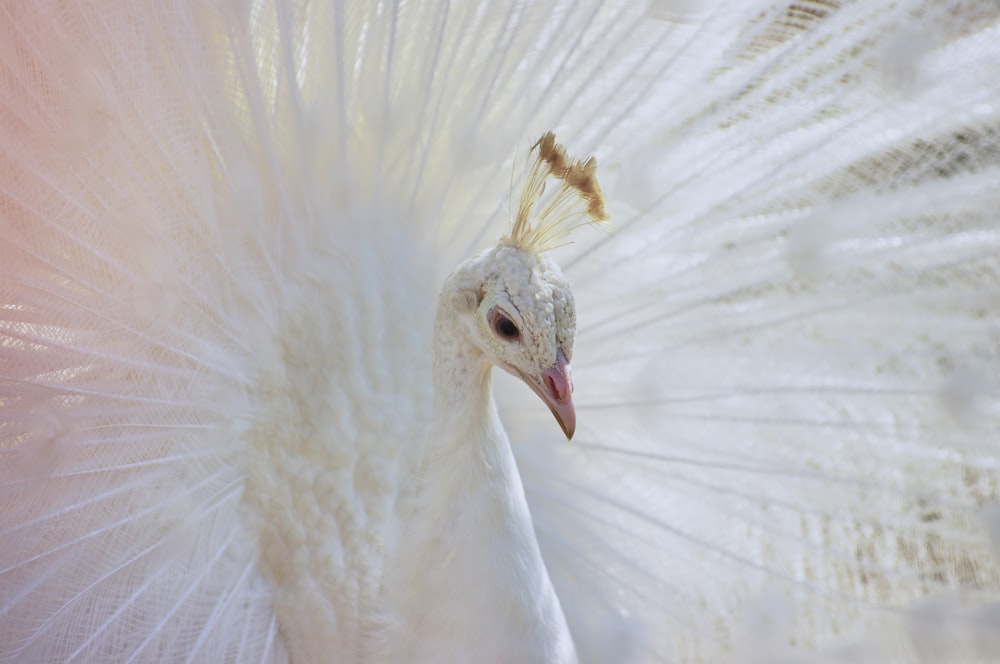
(577, 202)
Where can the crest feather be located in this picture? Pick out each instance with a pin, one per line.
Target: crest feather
(577, 202)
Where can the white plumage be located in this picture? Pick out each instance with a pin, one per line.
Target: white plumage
(223, 230)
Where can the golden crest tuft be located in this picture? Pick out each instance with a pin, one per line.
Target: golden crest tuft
(577, 202)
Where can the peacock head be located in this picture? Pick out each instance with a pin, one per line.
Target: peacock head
(517, 304)
(518, 312)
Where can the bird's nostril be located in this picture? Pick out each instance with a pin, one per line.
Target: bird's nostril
(550, 385)
(553, 388)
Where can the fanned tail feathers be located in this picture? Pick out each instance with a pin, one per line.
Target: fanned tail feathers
(222, 228)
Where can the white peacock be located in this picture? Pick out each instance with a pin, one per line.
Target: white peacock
(236, 426)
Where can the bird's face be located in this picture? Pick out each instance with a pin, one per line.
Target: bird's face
(525, 323)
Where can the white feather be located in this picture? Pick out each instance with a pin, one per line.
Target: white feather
(223, 227)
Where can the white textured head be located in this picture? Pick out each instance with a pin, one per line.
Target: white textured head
(513, 301)
(516, 307)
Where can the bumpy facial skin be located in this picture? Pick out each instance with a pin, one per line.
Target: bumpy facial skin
(529, 290)
(515, 308)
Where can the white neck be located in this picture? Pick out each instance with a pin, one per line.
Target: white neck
(469, 579)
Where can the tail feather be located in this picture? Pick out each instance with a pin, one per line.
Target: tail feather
(787, 360)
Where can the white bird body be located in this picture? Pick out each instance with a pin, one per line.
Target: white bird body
(320, 496)
(236, 425)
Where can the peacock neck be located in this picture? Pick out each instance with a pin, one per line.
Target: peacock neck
(463, 394)
(472, 584)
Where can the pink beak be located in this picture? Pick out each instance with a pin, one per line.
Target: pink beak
(556, 390)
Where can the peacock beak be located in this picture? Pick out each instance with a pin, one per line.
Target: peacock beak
(556, 390)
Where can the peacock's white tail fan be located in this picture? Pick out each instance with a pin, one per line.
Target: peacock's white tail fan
(222, 227)
(123, 381)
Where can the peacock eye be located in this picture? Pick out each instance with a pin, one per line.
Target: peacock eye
(504, 327)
